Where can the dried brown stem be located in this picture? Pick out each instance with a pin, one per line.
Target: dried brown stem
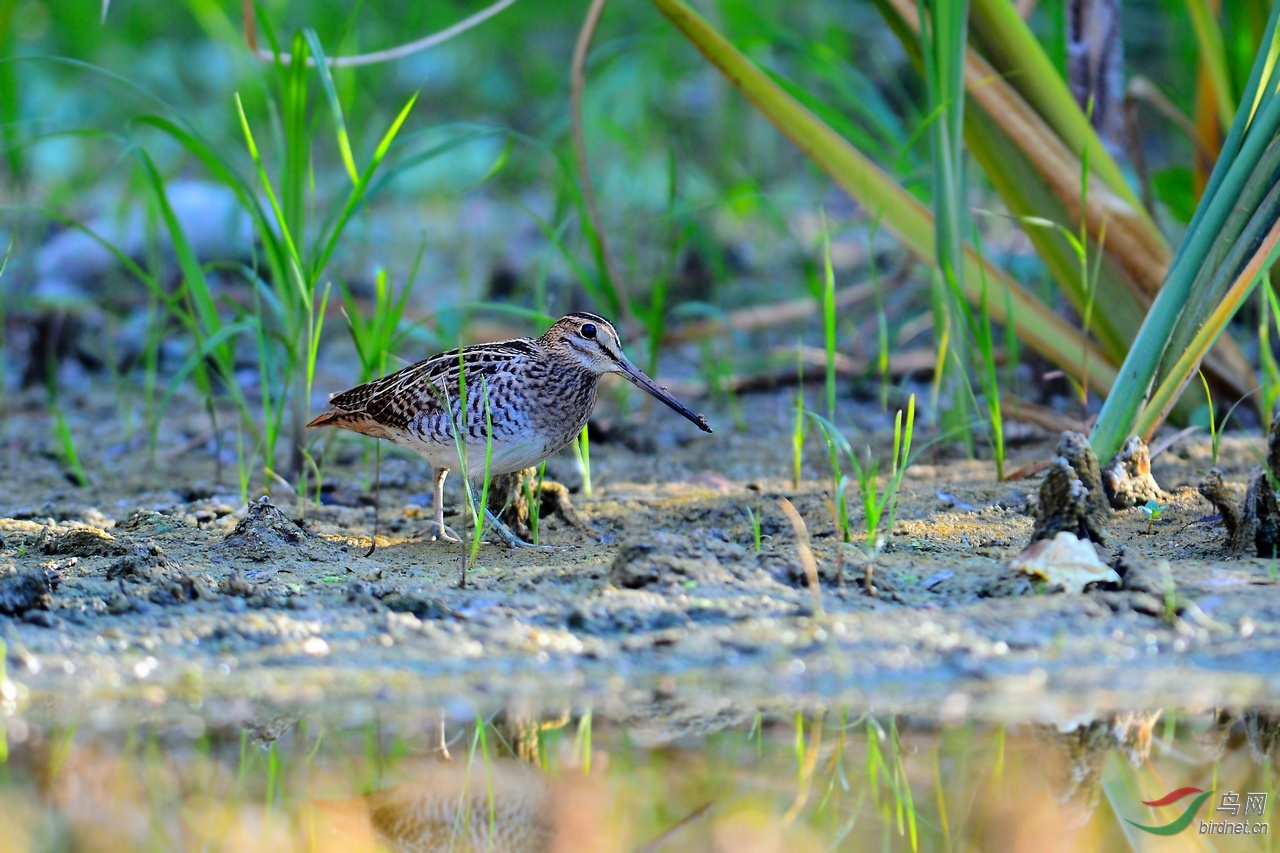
(804, 550)
(379, 56)
(758, 317)
(250, 25)
(914, 361)
(577, 84)
(1142, 89)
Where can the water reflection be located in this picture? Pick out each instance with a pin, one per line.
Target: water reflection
(673, 779)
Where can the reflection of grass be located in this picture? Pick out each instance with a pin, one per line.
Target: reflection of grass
(823, 781)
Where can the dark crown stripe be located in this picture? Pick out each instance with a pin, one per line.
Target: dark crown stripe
(588, 317)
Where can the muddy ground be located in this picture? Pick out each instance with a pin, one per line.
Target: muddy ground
(156, 585)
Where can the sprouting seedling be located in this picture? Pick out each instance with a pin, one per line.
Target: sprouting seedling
(1213, 428)
(879, 506)
(582, 452)
(755, 519)
(1152, 511)
(882, 319)
(1216, 429)
(1089, 272)
(988, 378)
(67, 447)
(533, 497)
(839, 482)
(479, 512)
(829, 318)
(840, 508)
(1269, 312)
(457, 426)
(801, 427)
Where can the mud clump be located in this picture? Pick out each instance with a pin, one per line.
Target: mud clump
(1072, 498)
(266, 534)
(425, 607)
(1128, 479)
(144, 563)
(25, 591)
(666, 559)
(1259, 518)
(625, 620)
(638, 438)
(1226, 501)
(151, 522)
(79, 542)
(182, 588)
(790, 572)
(1007, 584)
(1254, 529)
(509, 496)
(1141, 588)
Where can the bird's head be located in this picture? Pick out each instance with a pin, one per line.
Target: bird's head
(593, 342)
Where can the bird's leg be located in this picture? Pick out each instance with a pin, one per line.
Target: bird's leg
(510, 539)
(441, 530)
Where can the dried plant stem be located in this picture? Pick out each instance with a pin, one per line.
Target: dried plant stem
(388, 55)
(577, 84)
(805, 551)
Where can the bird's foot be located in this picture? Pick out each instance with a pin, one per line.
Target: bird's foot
(510, 539)
(437, 531)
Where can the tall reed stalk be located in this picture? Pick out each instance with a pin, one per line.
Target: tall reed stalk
(943, 33)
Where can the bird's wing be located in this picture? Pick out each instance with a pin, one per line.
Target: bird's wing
(421, 389)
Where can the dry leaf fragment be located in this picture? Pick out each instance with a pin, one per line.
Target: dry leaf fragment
(1065, 560)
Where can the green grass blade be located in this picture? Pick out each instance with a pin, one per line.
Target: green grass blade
(1213, 55)
(357, 195)
(335, 106)
(1215, 229)
(265, 182)
(1263, 251)
(1043, 330)
(1008, 42)
(296, 151)
(67, 448)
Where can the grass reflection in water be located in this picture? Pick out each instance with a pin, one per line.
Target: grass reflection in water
(675, 779)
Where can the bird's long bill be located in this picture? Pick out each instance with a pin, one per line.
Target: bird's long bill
(640, 380)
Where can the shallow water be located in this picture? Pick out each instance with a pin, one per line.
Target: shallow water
(670, 776)
(181, 671)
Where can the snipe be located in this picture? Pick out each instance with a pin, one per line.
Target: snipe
(525, 399)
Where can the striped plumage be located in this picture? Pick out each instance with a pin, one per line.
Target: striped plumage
(539, 392)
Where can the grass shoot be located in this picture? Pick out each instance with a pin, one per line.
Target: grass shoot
(879, 505)
(582, 452)
(800, 426)
(755, 520)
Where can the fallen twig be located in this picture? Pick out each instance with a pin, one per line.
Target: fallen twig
(389, 55)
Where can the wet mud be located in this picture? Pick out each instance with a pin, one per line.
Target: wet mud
(158, 583)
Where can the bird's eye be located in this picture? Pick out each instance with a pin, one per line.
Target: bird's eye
(589, 331)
